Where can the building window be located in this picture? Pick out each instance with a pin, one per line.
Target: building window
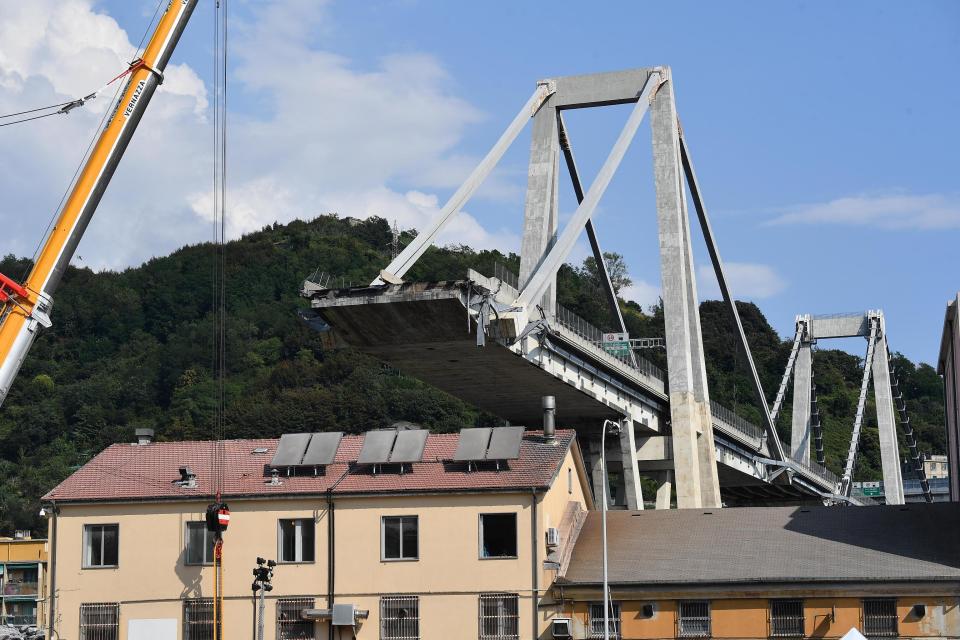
(101, 543)
(100, 621)
(786, 618)
(21, 613)
(596, 620)
(296, 540)
(880, 618)
(693, 620)
(498, 535)
(290, 626)
(399, 538)
(21, 581)
(200, 543)
(499, 616)
(198, 619)
(570, 481)
(400, 618)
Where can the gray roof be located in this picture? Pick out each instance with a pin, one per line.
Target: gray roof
(917, 542)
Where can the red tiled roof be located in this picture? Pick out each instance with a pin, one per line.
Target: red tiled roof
(150, 472)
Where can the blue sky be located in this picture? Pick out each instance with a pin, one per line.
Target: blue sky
(824, 134)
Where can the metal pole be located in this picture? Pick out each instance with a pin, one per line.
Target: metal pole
(253, 601)
(263, 593)
(603, 523)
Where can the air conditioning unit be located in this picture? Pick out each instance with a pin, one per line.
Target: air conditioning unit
(344, 615)
(561, 628)
(553, 537)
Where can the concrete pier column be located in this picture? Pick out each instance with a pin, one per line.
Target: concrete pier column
(632, 489)
(596, 472)
(540, 218)
(664, 490)
(694, 454)
(800, 427)
(886, 424)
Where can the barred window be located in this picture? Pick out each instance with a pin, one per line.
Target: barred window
(786, 618)
(880, 618)
(499, 616)
(198, 619)
(100, 621)
(400, 618)
(290, 626)
(596, 620)
(693, 620)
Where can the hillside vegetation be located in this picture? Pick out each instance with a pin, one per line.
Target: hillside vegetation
(133, 349)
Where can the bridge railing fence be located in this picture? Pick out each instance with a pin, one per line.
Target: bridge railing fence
(572, 322)
(740, 424)
(820, 471)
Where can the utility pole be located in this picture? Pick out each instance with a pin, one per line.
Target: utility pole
(262, 575)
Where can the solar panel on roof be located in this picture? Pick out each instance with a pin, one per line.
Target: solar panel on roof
(505, 443)
(409, 446)
(323, 448)
(376, 447)
(290, 450)
(472, 444)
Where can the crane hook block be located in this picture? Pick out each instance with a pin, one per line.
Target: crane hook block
(218, 517)
(10, 287)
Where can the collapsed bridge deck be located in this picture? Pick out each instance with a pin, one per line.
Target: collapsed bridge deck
(430, 331)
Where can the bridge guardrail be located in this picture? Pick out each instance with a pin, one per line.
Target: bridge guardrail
(742, 425)
(820, 471)
(572, 322)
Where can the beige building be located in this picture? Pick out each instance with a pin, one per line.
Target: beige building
(936, 466)
(23, 561)
(433, 549)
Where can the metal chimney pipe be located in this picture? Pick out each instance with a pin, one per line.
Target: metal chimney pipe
(549, 415)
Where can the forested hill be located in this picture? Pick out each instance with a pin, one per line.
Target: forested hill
(133, 349)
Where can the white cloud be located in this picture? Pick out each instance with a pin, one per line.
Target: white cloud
(309, 133)
(747, 281)
(57, 50)
(641, 292)
(894, 211)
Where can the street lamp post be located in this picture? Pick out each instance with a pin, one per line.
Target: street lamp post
(614, 428)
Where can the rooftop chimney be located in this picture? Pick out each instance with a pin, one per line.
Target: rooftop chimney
(144, 436)
(549, 411)
(188, 479)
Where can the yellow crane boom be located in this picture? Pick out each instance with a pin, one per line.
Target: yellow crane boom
(26, 306)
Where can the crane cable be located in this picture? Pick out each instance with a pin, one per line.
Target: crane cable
(219, 294)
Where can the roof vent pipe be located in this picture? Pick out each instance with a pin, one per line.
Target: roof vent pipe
(549, 414)
(144, 436)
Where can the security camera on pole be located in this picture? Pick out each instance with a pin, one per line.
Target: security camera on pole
(262, 575)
